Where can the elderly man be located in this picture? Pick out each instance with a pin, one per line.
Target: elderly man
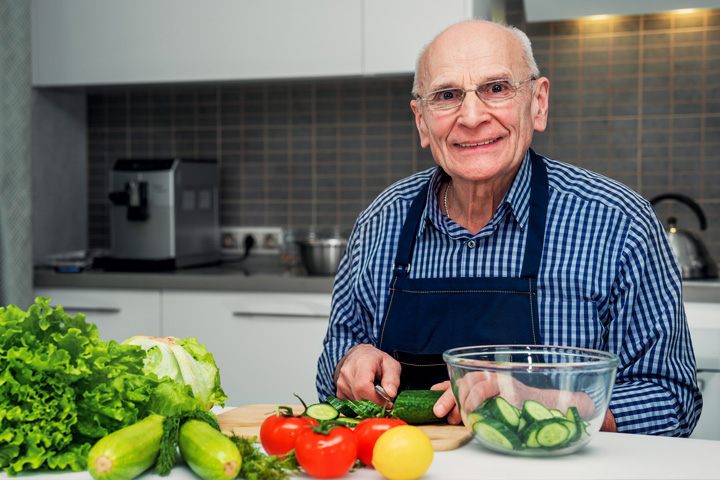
(430, 261)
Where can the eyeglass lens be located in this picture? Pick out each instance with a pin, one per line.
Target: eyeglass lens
(494, 91)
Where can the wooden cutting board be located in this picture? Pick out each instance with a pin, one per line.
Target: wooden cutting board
(245, 422)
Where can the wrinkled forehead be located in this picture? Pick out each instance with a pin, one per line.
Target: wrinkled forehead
(469, 56)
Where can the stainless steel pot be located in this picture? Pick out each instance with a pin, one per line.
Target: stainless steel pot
(692, 254)
(322, 256)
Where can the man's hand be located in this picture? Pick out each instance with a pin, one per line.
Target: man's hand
(475, 387)
(357, 372)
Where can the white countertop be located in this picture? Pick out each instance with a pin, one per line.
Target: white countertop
(608, 456)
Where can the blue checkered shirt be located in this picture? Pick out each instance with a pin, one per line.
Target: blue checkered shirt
(608, 280)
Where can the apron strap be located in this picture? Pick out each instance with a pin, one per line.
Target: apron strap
(406, 244)
(536, 223)
(535, 238)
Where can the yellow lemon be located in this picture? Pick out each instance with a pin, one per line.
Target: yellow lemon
(402, 453)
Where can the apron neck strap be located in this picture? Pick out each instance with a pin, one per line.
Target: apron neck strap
(535, 232)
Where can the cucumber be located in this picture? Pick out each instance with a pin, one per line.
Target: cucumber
(416, 406)
(534, 411)
(480, 413)
(503, 411)
(348, 422)
(497, 433)
(126, 453)
(322, 411)
(341, 406)
(208, 452)
(552, 433)
(574, 417)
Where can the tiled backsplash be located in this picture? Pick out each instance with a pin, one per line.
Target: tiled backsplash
(634, 98)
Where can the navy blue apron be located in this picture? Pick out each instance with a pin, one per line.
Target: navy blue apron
(426, 316)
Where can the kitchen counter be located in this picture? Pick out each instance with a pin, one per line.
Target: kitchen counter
(608, 456)
(261, 273)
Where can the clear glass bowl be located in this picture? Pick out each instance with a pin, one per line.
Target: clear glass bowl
(532, 400)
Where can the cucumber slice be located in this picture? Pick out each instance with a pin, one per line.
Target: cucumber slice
(557, 413)
(478, 414)
(534, 411)
(574, 417)
(341, 406)
(322, 412)
(496, 432)
(348, 422)
(503, 411)
(552, 434)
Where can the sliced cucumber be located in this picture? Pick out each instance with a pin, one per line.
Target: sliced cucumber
(534, 411)
(503, 411)
(497, 433)
(552, 433)
(341, 406)
(348, 422)
(322, 411)
(557, 413)
(478, 414)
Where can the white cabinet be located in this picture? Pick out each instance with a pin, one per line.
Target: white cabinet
(96, 42)
(396, 30)
(265, 344)
(118, 314)
(103, 42)
(704, 322)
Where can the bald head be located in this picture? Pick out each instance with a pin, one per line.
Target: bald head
(479, 29)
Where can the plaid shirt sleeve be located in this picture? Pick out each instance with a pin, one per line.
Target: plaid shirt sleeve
(656, 388)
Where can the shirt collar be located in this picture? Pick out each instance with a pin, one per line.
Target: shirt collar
(516, 202)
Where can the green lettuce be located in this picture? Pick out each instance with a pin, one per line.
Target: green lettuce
(186, 362)
(62, 388)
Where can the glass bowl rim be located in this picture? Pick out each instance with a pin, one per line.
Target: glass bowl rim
(598, 359)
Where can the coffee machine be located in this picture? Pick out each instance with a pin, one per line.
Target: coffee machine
(164, 214)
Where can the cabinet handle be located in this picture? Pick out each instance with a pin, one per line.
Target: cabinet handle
(284, 315)
(92, 309)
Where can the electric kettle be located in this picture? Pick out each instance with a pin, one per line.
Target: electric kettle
(692, 254)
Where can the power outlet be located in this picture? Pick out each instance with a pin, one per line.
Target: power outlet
(266, 240)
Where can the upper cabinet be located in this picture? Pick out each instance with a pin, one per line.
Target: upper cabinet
(105, 42)
(395, 30)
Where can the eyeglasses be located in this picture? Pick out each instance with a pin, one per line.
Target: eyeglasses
(489, 92)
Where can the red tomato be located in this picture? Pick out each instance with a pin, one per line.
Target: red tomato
(279, 432)
(367, 433)
(328, 455)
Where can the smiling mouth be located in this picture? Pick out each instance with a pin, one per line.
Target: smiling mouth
(477, 144)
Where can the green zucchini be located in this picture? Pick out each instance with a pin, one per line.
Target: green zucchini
(416, 406)
(322, 411)
(126, 453)
(208, 452)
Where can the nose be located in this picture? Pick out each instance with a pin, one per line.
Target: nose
(473, 111)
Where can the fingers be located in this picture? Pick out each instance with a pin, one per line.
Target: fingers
(359, 369)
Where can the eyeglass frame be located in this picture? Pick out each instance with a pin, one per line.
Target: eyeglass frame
(517, 86)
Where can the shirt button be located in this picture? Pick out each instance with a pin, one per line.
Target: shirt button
(471, 244)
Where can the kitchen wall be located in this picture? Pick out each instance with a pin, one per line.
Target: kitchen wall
(634, 98)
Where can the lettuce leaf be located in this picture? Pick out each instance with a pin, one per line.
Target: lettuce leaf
(62, 388)
(185, 361)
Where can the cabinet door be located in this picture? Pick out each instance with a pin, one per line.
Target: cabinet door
(266, 345)
(90, 42)
(118, 314)
(395, 31)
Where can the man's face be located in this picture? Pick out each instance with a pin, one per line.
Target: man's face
(479, 141)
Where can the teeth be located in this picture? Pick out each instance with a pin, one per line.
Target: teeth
(475, 144)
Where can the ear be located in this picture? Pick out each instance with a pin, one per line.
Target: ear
(420, 123)
(539, 106)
